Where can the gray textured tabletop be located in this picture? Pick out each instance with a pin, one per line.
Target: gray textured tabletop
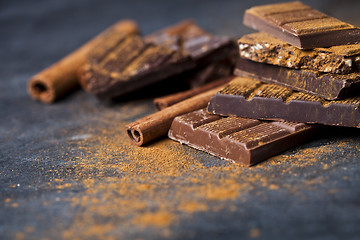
(67, 170)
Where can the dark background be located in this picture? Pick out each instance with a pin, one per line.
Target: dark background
(38, 141)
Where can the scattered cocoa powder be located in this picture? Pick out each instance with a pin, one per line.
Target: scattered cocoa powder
(254, 233)
(191, 207)
(160, 185)
(158, 219)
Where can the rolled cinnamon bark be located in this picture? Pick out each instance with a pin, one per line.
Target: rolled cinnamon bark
(61, 77)
(158, 124)
(164, 102)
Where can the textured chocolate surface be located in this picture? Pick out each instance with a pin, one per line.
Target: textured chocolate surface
(247, 97)
(124, 63)
(264, 48)
(300, 25)
(242, 140)
(327, 85)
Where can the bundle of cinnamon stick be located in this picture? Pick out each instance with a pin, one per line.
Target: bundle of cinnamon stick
(119, 60)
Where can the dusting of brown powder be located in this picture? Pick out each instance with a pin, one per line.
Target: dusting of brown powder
(159, 185)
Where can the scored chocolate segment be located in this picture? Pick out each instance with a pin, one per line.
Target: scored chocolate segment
(122, 63)
(201, 118)
(327, 85)
(247, 97)
(264, 48)
(242, 140)
(300, 25)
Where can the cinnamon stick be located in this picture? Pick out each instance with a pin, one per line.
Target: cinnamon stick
(158, 124)
(61, 77)
(164, 102)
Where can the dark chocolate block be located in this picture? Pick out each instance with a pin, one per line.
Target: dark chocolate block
(242, 140)
(327, 85)
(300, 25)
(247, 97)
(124, 63)
(261, 47)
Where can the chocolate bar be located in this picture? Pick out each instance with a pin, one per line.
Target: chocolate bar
(327, 85)
(241, 140)
(247, 97)
(261, 47)
(300, 25)
(124, 63)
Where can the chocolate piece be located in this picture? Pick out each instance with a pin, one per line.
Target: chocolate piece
(247, 97)
(300, 25)
(242, 140)
(261, 47)
(121, 64)
(327, 85)
(119, 67)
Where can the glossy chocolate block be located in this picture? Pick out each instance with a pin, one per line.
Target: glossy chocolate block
(124, 63)
(326, 85)
(247, 97)
(264, 48)
(241, 140)
(300, 25)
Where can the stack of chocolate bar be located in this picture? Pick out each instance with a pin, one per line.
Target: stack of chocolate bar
(303, 67)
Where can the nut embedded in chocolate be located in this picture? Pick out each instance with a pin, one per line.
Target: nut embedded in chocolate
(263, 48)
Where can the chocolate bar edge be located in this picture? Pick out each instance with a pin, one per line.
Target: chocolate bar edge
(260, 47)
(276, 109)
(145, 79)
(326, 86)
